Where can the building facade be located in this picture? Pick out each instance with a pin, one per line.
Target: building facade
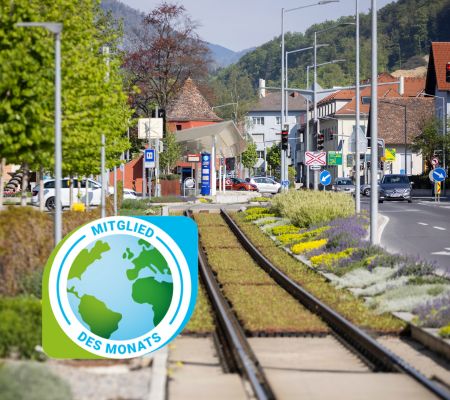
(264, 124)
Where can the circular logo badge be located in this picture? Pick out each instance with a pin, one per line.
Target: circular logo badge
(120, 287)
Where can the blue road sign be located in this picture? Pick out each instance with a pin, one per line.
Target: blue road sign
(285, 183)
(439, 174)
(149, 158)
(325, 178)
(206, 175)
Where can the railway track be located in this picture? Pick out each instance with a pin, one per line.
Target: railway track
(237, 347)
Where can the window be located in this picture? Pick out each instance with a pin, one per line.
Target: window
(260, 154)
(49, 185)
(278, 122)
(258, 120)
(179, 127)
(366, 100)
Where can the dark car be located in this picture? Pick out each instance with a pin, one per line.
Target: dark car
(395, 187)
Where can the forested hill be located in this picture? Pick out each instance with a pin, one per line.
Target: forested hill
(406, 28)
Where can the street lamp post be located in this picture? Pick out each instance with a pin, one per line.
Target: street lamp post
(308, 67)
(316, 183)
(287, 85)
(374, 132)
(283, 121)
(56, 28)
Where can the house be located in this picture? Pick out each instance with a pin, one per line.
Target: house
(263, 122)
(438, 78)
(337, 119)
(188, 109)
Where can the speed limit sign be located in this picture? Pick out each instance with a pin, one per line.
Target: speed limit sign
(435, 161)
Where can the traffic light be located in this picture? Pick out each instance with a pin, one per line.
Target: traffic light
(447, 72)
(320, 141)
(284, 139)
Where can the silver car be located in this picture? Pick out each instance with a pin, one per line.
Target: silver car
(344, 185)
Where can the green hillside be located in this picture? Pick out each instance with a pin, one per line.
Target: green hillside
(406, 28)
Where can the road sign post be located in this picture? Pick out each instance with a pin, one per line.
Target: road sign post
(325, 178)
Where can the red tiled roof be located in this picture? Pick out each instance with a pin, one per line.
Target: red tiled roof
(391, 117)
(190, 105)
(439, 57)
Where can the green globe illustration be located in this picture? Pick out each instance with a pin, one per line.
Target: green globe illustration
(119, 287)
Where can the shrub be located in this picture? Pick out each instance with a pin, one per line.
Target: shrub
(256, 210)
(305, 208)
(259, 199)
(20, 330)
(31, 380)
(284, 229)
(305, 247)
(135, 204)
(26, 241)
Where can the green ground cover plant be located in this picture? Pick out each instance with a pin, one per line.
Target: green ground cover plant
(284, 229)
(305, 247)
(260, 304)
(343, 301)
(202, 320)
(305, 208)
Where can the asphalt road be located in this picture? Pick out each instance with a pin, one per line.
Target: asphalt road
(419, 229)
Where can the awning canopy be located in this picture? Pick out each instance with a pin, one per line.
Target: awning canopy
(228, 140)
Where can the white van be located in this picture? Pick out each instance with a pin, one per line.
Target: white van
(79, 195)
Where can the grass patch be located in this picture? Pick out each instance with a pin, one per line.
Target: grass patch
(204, 219)
(342, 301)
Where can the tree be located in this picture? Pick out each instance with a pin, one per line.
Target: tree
(91, 103)
(168, 52)
(274, 156)
(430, 141)
(171, 153)
(249, 157)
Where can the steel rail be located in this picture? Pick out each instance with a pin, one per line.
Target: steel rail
(384, 359)
(236, 341)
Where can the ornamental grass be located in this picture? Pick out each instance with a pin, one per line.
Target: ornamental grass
(307, 208)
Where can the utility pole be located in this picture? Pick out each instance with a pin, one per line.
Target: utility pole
(374, 133)
(316, 173)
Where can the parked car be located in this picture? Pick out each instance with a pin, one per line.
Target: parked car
(238, 184)
(129, 194)
(344, 185)
(395, 187)
(94, 193)
(365, 189)
(265, 184)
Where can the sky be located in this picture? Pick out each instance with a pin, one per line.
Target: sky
(241, 24)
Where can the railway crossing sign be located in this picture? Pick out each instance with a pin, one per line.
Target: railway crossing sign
(439, 174)
(325, 178)
(316, 158)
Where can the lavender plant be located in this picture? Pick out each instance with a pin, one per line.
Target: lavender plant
(434, 313)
